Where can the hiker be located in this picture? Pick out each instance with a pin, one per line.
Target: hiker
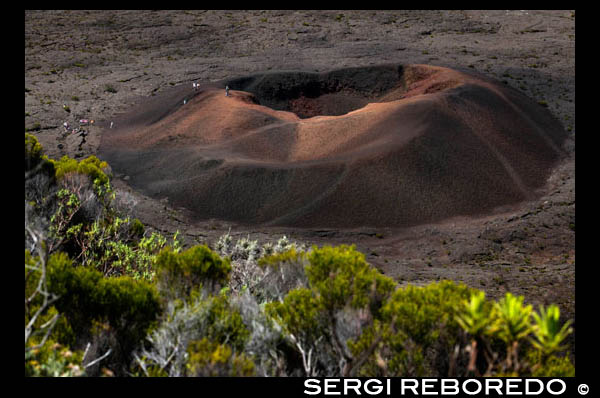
(184, 101)
(227, 91)
(66, 126)
(111, 124)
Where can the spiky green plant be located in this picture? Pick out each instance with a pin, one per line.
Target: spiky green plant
(475, 316)
(512, 324)
(548, 333)
(512, 319)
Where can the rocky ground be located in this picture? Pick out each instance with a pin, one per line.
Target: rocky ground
(98, 63)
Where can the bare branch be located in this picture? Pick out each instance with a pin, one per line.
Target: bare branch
(95, 361)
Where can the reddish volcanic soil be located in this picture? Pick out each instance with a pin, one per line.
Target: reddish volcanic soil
(428, 144)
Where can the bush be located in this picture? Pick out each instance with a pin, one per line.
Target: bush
(551, 366)
(508, 343)
(137, 228)
(212, 317)
(247, 273)
(198, 267)
(263, 337)
(33, 151)
(86, 298)
(341, 277)
(279, 274)
(86, 226)
(207, 358)
(90, 166)
(40, 182)
(110, 246)
(53, 360)
(421, 329)
(325, 321)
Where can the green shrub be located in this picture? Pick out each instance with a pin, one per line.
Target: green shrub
(325, 322)
(502, 334)
(208, 358)
(548, 332)
(34, 156)
(511, 319)
(42, 320)
(110, 246)
(551, 366)
(85, 295)
(53, 360)
(82, 220)
(212, 317)
(225, 324)
(421, 311)
(86, 298)
(33, 150)
(90, 166)
(198, 267)
(61, 329)
(299, 314)
(419, 328)
(475, 317)
(341, 276)
(137, 228)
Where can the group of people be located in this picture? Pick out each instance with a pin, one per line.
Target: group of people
(81, 131)
(86, 122)
(82, 122)
(196, 86)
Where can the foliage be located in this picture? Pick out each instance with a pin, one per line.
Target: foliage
(136, 228)
(475, 318)
(40, 185)
(341, 277)
(53, 360)
(299, 314)
(280, 273)
(549, 366)
(510, 321)
(34, 155)
(198, 267)
(113, 247)
(344, 297)
(208, 358)
(86, 298)
(212, 317)
(248, 273)
(420, 329)
(86, 226)
(548, 334)
(90, 166)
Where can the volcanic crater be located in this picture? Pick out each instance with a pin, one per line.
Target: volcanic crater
(390, 145)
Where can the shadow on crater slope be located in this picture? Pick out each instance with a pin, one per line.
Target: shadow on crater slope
(392, 145)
